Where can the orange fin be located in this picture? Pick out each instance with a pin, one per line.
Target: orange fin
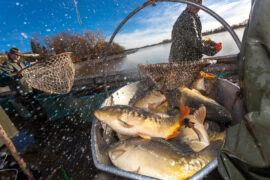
(209, 75)
(173, 135)
(143, 136)
(184, 111)
(202, 74)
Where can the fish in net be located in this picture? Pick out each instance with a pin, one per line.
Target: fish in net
(54, 75)
(168, 76)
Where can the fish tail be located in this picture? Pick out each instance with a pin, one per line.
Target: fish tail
(207, 75)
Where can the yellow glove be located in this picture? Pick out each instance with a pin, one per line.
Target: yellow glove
(207, 39)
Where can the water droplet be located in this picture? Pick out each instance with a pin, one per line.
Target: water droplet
(172, 162)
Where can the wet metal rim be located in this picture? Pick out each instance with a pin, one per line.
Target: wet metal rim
(111, 169)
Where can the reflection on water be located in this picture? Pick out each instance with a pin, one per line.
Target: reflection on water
(150, 55)
(160, 53)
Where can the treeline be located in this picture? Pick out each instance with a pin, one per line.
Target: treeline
(85, 46)
(222, 28)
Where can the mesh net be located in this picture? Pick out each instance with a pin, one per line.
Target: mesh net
(168, 76)
(55, 75)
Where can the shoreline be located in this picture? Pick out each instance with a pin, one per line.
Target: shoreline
(166, 41)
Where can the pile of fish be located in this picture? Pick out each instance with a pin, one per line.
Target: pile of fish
(171, 135)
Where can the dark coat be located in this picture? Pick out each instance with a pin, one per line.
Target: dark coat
(15, 82)
(11, 67)
(187, 43)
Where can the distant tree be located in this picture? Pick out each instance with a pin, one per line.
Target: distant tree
(36, 45)
(88, 45)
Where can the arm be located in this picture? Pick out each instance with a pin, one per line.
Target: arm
(5, 79)
(192, 35)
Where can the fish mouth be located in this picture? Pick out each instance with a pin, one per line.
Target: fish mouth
(97, 114)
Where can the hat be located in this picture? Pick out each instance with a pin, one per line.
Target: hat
(15, 51)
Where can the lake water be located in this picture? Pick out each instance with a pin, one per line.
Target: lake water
(155, 54)
(160, 53)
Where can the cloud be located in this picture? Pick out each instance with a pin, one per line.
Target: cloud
(156, 22)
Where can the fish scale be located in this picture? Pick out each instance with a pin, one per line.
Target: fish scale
(158, 158)
(145, 115)
(128, 120)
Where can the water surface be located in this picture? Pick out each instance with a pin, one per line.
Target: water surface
(160, 53)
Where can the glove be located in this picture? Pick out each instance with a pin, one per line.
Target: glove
(207, 39)
(218, 47)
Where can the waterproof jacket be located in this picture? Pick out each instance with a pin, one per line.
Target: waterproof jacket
(187, 43)
(11, 66)
(14, 82)
(246, 153)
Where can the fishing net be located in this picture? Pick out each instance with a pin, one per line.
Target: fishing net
(55, 75)
(168, 76)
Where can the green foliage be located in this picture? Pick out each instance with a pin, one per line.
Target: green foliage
(88, 45)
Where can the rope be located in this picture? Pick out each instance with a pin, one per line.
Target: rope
(77, 12)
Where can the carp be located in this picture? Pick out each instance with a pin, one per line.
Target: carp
(215, 111)
(158, 158)
(151, 100)
(204, 83)
(132, 121)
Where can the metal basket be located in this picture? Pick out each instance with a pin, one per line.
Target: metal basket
(224, 93)
(102, 137)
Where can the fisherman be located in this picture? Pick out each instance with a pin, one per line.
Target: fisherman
(9, 76)
(187, 43)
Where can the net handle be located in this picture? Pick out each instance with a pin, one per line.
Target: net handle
(153, 2)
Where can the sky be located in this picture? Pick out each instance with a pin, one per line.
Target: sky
(20, 19)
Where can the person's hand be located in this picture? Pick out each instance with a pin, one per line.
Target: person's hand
(218, 47)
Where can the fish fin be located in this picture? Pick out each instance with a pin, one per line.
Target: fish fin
(206, 125)
(117, 153)
(198, 133)
(124, 124)
(196, 91)
(143, 136)
(189, 124)
(184, 111)
(136, 171)
(202, 74)
(209, 76)
(200, 114)
(173, 135)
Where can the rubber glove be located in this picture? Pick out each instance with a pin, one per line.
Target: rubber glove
(218, 46)
(207, 39)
